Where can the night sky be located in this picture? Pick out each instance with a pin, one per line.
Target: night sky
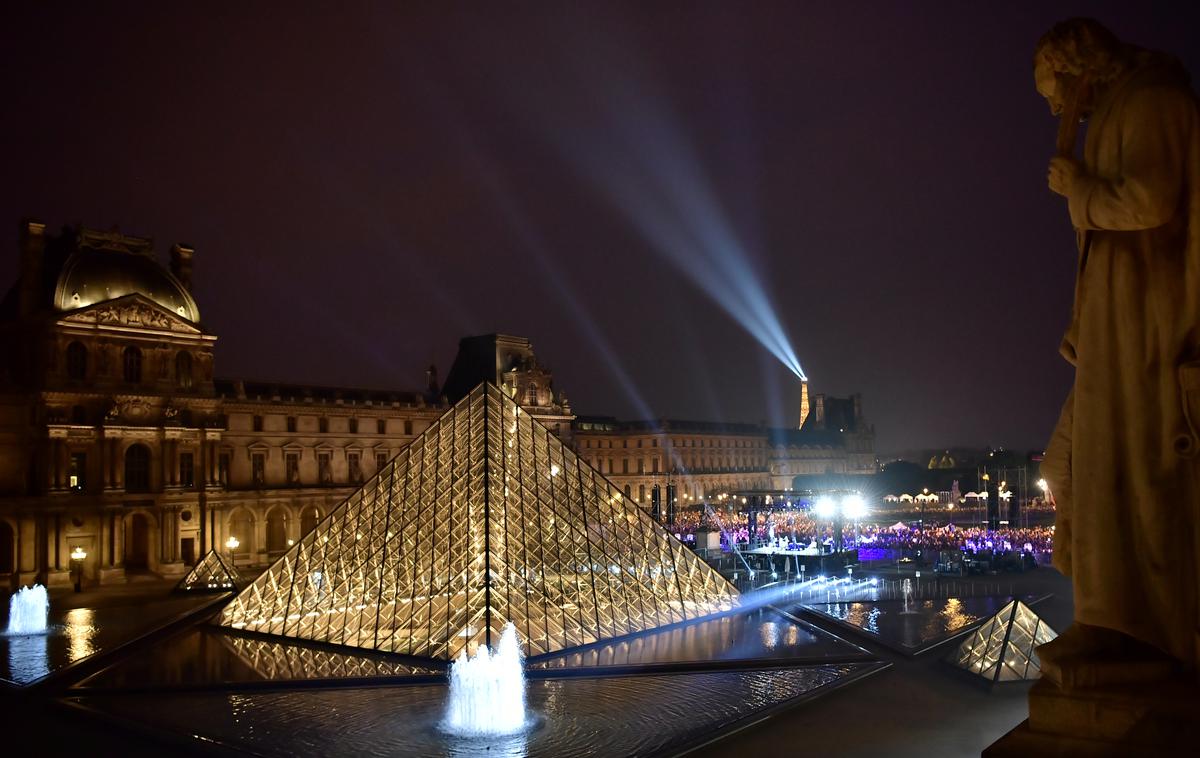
(364, 188)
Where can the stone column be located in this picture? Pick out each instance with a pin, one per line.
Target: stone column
(260, 536)
(106, 462)
(56, 472)
(120, 527)
(102, 541)
(57, 557)
(118, 465)
(26, 559)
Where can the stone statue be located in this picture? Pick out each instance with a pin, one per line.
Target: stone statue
(1122, 461)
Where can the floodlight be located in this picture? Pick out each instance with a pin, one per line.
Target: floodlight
(854, 507)
(825, 507)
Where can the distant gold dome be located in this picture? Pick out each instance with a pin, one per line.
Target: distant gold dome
(93, 276)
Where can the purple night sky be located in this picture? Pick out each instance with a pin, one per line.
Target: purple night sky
(363, 188)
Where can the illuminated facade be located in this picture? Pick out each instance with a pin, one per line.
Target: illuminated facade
(487, 518)
(117, 438)
(703, 459)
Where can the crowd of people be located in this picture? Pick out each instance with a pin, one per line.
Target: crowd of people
(926, 543)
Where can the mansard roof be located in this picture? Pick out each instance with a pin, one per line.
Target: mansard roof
(245, 389)
(665, 426)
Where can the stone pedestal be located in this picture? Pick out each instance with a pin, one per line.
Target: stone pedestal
(172, 570)
(1108, 720)
(112, 575)
(58, 578)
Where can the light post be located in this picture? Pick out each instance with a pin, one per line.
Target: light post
(232, 543)
(78, 556)
(855, 509)
(825, 509)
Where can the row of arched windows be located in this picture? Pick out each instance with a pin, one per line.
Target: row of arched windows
(131, 365)
(242, 526)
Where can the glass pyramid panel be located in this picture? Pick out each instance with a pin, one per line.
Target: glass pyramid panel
(1004, 648)
(212, 574)
(485, 518)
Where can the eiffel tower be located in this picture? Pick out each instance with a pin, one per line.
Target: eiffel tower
(485, 518)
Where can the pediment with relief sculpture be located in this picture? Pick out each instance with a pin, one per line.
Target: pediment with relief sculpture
(132, 311)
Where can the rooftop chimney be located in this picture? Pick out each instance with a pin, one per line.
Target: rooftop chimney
(431, 381)
(181, 264)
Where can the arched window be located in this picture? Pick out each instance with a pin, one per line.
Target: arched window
(183, 370)
(241, 528)
(309, 519)
(531, 394)
(133, 365)
(77, 361)
(137, 469)
(277, 530)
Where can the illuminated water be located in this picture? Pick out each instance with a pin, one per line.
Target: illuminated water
(579, 716)
(27, 611)
(487, 691)
(74, 634)
(913, 628)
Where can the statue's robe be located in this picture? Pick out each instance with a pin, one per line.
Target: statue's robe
(1123, 461)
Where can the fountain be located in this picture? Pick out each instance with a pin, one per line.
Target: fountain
(487, 692)
(27, 611)
(906, 588)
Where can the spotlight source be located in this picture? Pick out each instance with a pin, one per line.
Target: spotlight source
(825, 507)
(854, 507)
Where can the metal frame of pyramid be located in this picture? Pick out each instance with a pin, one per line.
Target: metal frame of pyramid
(485, 518)
(1004, 648)
(212, 574)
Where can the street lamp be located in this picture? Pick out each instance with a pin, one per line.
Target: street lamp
(78, 556)
(854, 507)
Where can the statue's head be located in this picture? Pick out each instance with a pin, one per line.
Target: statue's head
(1074, 49)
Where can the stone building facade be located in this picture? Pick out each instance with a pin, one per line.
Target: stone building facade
(703, 459)
(117, 440)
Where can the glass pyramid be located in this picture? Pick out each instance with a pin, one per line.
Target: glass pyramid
(212, 574)
(485, 518)
(1004, 648)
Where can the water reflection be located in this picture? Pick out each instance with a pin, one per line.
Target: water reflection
(80, 630)
(580, 717)
(761, 633)
(925, 623)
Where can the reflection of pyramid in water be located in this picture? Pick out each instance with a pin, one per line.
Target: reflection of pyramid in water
(212, 574)
(485, 518)
(1003, 649)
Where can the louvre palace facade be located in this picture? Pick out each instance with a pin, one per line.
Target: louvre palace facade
(118, 440)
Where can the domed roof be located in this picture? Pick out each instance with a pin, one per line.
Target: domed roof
(92, 276)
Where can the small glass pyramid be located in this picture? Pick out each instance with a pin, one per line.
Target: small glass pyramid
(212, 574)
(1004, 648)
(485, 518)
